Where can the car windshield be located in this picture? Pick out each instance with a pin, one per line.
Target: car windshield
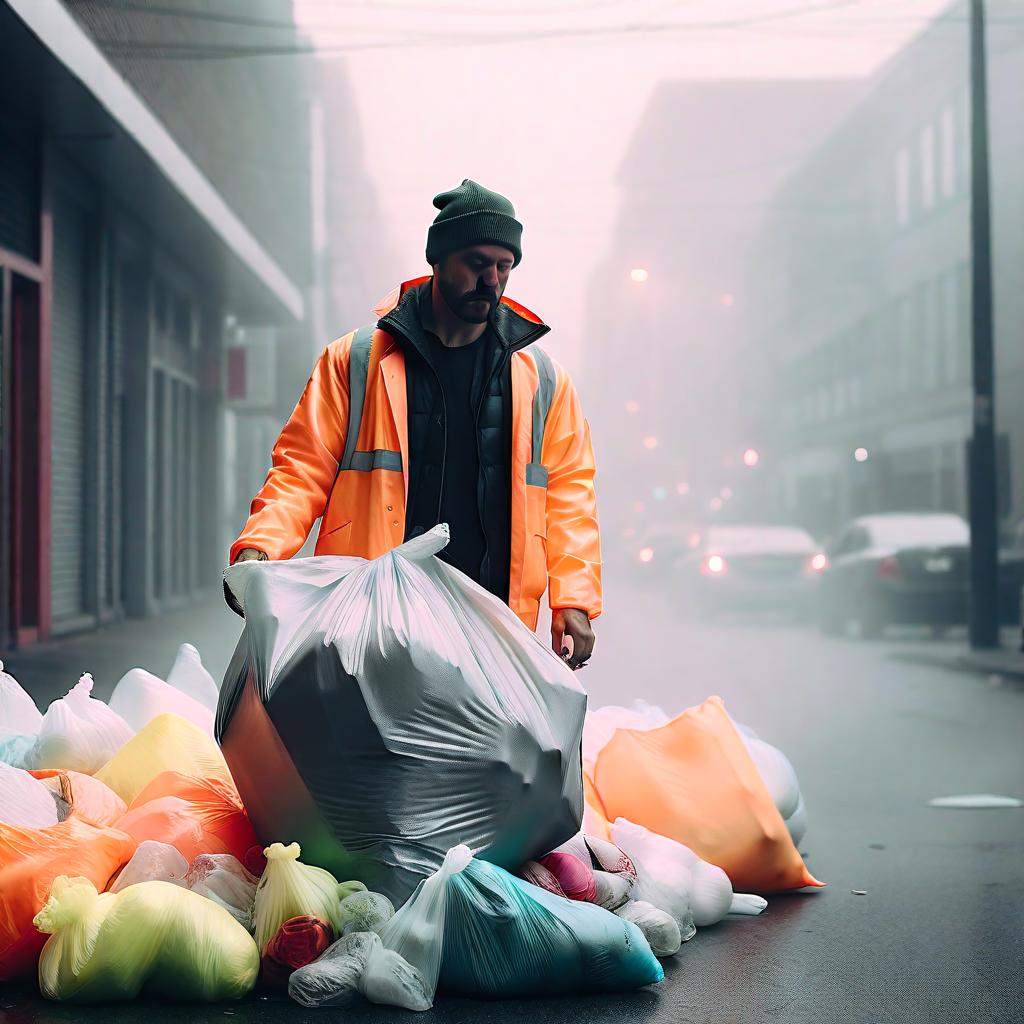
(919, 531)
(760, 538)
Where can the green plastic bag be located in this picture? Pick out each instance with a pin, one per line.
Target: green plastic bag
(153, 938)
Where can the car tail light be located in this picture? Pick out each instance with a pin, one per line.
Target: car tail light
(819, 563)
(889, 568)
(646, 554)
(713, 565)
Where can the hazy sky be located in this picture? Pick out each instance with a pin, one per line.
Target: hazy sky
(538, 99)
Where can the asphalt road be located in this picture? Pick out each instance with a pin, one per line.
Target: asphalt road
(939, 935)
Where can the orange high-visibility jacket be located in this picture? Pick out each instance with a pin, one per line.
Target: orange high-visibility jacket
(359, 487)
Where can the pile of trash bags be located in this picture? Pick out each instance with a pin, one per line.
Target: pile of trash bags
(408, 797)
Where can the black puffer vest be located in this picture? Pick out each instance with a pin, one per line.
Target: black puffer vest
(492, 390)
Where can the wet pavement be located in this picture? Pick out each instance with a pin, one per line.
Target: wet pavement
(937, 935)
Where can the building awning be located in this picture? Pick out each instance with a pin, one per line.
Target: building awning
(92, 112)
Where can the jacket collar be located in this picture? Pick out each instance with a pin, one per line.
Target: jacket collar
(514, 325)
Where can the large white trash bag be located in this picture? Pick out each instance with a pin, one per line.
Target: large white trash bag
(140, 696)
(383, 712)
(20, 720)
(24, 800)
(189, 675)
(78, 732)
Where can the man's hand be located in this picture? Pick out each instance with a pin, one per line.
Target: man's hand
(574, 623)
(245, 555)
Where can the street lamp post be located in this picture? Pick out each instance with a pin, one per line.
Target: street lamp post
(983, 607)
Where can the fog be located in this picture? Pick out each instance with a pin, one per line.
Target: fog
(747, 225)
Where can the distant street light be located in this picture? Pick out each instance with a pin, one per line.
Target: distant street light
(660, 494)
(632, 407)
(727, 299)
(861, 455)
(726, 493)
(650, 442)
(716, 504)
(751, 457)
(638, 275)
(639, 506)
(646, 554)
(682, 487)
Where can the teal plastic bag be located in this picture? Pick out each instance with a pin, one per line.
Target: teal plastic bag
(504, 937)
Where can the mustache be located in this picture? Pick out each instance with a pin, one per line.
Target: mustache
(487, 294)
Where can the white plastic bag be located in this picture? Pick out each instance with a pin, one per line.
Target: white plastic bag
(140, 696)
(18, 712)
(78, 732)
(359, 964)
(25, 801)
(189, 675)
(19, 721)
(659, 927)
(224, 879)
(664, 865)
(152, 861)
(664, 878)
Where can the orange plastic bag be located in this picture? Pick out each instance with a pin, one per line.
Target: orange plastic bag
(694, 781)
(91, 799)
(30, 859)
(169, 743)
(193, 815)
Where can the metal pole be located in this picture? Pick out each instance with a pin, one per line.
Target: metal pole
(983, 613)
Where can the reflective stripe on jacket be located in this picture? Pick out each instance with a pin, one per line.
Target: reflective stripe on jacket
(348, 463)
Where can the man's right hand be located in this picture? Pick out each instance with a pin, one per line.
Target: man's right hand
(245, 555)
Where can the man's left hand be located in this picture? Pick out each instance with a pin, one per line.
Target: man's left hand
(572, 622)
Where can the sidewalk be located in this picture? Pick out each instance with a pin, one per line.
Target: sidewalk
(1006, 660)
(49, 670)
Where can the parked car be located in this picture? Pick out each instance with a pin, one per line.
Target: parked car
(896, 569)
(747, 567)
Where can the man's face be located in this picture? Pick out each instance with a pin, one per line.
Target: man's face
(472, 280)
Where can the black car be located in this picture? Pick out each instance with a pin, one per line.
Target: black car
(896, 569)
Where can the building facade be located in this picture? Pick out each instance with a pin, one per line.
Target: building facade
(857, 379)
(668, 310)
(139, 233)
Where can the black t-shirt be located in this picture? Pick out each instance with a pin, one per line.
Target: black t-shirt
(457, 368)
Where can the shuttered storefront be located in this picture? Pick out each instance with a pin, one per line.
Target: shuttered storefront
(69, 434)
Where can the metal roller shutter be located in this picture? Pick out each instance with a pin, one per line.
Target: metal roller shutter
(69, 420)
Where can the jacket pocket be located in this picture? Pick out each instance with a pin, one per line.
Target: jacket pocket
(535, 558)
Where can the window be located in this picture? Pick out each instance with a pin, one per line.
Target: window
(948, 157)
(903, 187)
(928, 167)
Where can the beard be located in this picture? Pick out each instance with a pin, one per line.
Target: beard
(464, 306)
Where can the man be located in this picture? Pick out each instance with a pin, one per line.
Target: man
(447, 411)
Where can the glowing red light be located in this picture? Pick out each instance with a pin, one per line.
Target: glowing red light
(714, 565)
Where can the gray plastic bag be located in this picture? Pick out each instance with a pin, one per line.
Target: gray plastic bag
(382, 712)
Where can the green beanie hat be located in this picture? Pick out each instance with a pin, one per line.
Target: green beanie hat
(473, 215)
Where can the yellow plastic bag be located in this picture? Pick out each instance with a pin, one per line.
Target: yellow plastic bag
(290, 889)
(168, 743)
(154, 938)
